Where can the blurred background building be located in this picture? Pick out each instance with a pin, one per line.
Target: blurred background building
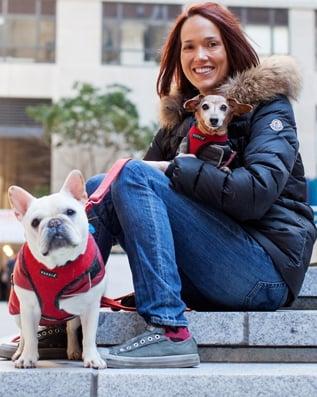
(47, 45)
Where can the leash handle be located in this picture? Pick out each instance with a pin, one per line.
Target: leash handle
(104, 187)
(115, 304)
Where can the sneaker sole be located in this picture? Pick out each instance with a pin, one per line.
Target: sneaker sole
(7, 351)
(179, 361)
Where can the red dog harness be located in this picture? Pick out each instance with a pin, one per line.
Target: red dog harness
(215, 149)
(62, 282)
(197, 140)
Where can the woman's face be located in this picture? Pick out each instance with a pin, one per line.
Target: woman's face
(203, 56)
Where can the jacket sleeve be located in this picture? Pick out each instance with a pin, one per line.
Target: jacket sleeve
(248, 191)
(155, 152)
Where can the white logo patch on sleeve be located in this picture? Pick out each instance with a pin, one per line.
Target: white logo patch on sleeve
(276, 125)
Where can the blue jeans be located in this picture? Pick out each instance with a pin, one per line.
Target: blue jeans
(181, 252)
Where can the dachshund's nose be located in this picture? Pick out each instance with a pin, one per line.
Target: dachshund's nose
(214, 122)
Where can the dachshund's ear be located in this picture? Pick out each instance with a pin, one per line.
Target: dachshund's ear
(192, 104)
(238, 108)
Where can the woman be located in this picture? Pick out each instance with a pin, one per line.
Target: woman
(197, 236)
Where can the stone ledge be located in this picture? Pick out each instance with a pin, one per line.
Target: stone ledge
(207, 327)
(49, 379)
(281, 328)
(263, 354)
(309, 287)
(213, 380)
(62, 378)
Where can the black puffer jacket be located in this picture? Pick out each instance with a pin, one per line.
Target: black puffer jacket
(265, 193)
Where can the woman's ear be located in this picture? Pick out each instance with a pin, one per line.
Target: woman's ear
(238, 108)
(192, 104)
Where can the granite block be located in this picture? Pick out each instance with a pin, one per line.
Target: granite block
(62, 378)
(117, 327)
(283, 328)
(217, 328)
(255, 354)
(207, 327)
(212, 380)
(303, 303)
(309, 287)
(49, 379)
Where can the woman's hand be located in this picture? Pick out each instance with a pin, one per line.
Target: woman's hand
(160, 165)
(185, 155)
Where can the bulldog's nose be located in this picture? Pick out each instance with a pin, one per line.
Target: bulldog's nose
(214, 122)
(54, 223)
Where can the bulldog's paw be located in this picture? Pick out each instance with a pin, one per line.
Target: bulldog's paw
(16, 355)
(74, 354)
(94, 361)
(26, 361)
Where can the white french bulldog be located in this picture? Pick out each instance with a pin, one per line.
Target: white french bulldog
(56, 232)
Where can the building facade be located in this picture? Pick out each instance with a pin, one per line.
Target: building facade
(47, 45)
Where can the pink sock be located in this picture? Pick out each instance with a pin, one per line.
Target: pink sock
(177, 334)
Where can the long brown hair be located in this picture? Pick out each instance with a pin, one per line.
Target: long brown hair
(241, 55)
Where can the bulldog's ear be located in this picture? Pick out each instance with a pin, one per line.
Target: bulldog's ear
(75, 186)
(238, 108)
(20, 200)
(192, 104)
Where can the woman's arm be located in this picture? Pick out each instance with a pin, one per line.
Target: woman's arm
(155, 152)
(155, 156)
(249, 191)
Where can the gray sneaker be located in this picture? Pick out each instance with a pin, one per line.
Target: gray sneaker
(153, 349)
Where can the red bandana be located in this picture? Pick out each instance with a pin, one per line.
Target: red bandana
(60, 283)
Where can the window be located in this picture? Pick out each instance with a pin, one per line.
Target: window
(133, 33)
(266, 27)
(27, 30)
(24, 155)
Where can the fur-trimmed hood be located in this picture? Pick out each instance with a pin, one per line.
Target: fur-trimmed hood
(274, 76)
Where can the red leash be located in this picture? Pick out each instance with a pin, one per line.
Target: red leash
(95, 199)
(104, 187)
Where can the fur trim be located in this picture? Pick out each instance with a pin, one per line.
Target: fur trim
(171, 110)
(275, 75)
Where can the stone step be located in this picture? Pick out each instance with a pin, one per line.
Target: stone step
(281, 336)
(65, 378)
(289, 328)
(307, 298)
(309, 288)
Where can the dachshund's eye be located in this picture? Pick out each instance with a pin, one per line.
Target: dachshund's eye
(35, 223)
(70, 212)
(205, 106)
(223, 108)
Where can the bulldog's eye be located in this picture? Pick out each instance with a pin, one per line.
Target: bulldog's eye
(223, 108)
(35, 222)
(205, 106)
(70, 212)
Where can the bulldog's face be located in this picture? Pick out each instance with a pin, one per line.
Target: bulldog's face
(56, 226)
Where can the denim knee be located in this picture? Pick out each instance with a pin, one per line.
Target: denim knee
(93, 183)
(128, 170)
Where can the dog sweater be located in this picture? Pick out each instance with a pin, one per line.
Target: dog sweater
(62, 282)
(212, 148)
(196, 139)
